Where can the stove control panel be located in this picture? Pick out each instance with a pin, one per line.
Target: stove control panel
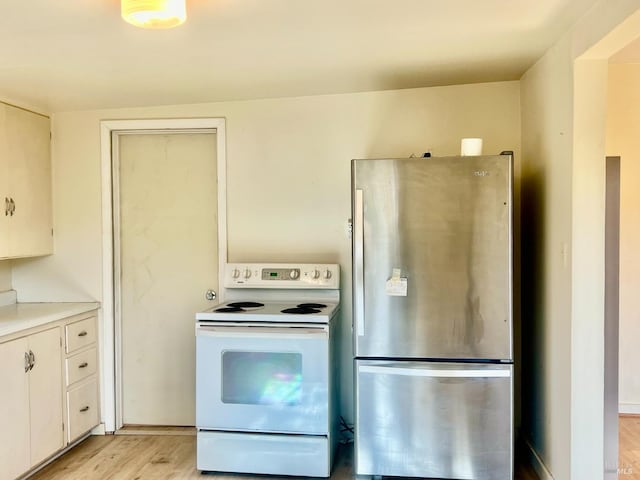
(282, 275)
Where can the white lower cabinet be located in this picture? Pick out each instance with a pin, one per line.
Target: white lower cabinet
(81, 367)
(45, 394)
(49, 394)
(14, 409)
(31, 404)
(82, 408)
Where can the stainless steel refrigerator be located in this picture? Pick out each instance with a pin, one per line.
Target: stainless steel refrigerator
(432, 319)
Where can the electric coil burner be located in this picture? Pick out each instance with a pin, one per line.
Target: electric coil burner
(238, 307)
(246, 304)
(263, 371)
(301, 310)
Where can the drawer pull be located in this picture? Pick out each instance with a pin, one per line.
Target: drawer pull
(83, 365)
(84, 409)
(83, 333)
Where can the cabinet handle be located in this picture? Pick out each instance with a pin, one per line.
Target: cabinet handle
(83, 365)
(84, 409)
(83, 333)
(27, 362)
(13, 206)
(32, 360)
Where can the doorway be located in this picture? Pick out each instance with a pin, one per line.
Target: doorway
(623, 122)
(167, 179)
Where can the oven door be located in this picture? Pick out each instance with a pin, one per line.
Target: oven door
(262, 379)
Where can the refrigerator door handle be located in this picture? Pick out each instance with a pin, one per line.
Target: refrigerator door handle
(440, 373)
(358, 262)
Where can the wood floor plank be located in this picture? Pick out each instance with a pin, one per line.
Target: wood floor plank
(166, 457)
(629, 447)
(173, 457)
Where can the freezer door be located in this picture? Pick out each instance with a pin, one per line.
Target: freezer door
(432, 257)
(434, 420)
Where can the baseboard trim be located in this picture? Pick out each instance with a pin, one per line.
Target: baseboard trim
(99, 430)
(537, 463)
(629, 408)
(155, 430)
(55, 456)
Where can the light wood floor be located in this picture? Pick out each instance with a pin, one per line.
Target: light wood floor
(152, 457)
(173, 457)
(629, 457)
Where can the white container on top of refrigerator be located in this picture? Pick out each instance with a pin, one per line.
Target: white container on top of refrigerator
(432, 320)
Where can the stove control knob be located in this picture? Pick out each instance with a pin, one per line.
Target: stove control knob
(314, 274)
(235, 273)
(294, 274)
(247, 273)
(327, 274)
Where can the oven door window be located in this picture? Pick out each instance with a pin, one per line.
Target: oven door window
(266, 379)
(261, 378)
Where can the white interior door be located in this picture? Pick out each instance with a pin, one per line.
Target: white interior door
(168, 258)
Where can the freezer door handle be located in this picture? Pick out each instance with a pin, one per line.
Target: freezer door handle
(358, 262)
(437, 373)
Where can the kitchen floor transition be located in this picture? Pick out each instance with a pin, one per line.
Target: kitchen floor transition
(154, 457)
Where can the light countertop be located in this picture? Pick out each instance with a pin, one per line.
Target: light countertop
(22, 316)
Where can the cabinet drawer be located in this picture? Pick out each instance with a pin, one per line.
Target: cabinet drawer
(80, 334)
(82, 405)
(81, 365)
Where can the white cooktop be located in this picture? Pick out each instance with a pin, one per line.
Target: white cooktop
(279, 286)
(270, 312)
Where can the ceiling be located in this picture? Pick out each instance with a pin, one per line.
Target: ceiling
(79, 54)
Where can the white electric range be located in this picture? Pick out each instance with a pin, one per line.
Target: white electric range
(266, 400)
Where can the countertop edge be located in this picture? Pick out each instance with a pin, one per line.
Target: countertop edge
(18, 317)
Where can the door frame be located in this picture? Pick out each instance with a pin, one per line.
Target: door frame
(110, 343)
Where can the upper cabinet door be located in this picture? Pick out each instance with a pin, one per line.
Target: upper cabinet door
(26, 146)
(4, 185)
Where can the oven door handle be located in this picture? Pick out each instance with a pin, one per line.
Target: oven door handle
(263, 332)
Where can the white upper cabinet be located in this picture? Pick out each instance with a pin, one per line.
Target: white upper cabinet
(4, 187)
(25, 183)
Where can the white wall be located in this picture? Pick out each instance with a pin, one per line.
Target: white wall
(288, 176)
(623, 125)
(5, 275)
(563, 110)
(546, 288)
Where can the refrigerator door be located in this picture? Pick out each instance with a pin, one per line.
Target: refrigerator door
(440, 420)
(432, 257)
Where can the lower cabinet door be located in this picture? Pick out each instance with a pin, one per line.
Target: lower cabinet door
(82, 405)
(45, 394)
(14, 409)
(438, 420)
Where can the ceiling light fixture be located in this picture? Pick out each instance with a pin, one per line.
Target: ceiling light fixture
(154, 13)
